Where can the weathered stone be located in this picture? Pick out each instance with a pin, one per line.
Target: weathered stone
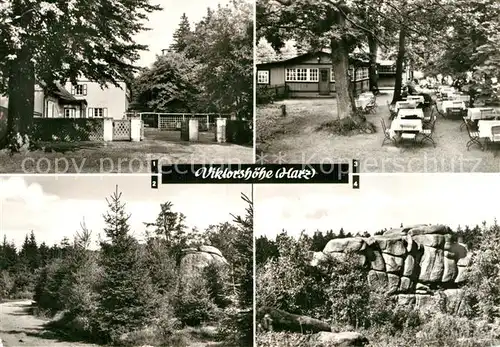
(318, 258)
(377, 280)
(350, 244)
(427, 302)
(409, 265)
(343, 339)
(461, 274)
(340, 256)
(465, 261)
(431, 265)
(448, 242)
(429, 229)
(431, 240)
(376, 260)
(450, 269)
(391, 245)
(395, 232)
(393, 283)
(194, 261)
(406, 300)
(210, 249)
(422, 287)
(404, 284)
(393, 264)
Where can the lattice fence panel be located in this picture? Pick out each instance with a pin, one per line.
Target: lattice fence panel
(173, 121)
(97, 132)
(121, 129)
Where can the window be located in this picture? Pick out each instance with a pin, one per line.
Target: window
(302, 75)
(361, 73)
(313, 75)
(263, 77)
(387, 69)
(332, 76)
(97, 112)
(69, 113)
(80, 89)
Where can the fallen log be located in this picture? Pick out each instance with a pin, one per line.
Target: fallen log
(272, 319)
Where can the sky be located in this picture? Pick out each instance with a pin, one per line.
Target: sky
(164, 23)
(381, 202)
(54, 207)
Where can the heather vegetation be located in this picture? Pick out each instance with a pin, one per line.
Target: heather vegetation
(130, 293)
(338, 292)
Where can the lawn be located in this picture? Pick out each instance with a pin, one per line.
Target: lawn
(294, 139)
(124, 156)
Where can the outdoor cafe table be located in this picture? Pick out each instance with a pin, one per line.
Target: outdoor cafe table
(474, 113)
(460, 97)
(398, 104)
(485, 126)
(451, 104)
(405, 112)
(363, 101)
(415, 98)
(399, 126)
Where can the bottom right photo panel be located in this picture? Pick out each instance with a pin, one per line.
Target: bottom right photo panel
(404, 261)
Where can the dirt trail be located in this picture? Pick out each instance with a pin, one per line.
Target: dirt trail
(18, 328)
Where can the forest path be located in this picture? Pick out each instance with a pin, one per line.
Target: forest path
(18, 328)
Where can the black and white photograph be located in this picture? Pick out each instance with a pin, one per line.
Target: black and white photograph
(107, 86)
(107, 261)
(401, 85)
(406, 260)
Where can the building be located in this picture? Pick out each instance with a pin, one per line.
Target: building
(85, 100)
(310, 75)
(387, 74)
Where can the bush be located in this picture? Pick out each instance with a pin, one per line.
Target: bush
(239, 132)
(193, 304)
(265, 95)
(69, 130)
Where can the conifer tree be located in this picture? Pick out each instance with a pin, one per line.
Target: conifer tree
(181, 35)
(125, 294)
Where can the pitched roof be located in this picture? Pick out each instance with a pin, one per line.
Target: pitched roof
(309, 54)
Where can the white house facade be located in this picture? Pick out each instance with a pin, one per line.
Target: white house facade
(85, 100)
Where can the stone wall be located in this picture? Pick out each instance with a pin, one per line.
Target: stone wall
(421, 264)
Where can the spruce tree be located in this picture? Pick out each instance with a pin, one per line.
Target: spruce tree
(181, 35)
(125, 295)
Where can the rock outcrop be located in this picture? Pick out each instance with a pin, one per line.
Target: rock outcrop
(195, 260)
(423, 264)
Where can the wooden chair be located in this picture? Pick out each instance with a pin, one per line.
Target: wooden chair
(372, 106)
(393, 113)
(387, 132)
(455, 112)
(488, 113)
(428, 131)
(473, 135)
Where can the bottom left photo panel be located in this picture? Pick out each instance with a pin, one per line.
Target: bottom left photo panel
(106, 260)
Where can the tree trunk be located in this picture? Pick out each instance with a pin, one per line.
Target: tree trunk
(399, 65)
(273, 319)
(21, 92)
(343, 89)
(373, 45)
(340, 61)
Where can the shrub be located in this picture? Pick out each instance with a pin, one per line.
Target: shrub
(193, 304)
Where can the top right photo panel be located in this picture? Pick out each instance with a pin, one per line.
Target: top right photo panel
(400, 85)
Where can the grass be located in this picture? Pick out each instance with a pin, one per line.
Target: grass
(296, 139)
(124, 157)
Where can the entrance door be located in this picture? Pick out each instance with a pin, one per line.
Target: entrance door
(324, 82)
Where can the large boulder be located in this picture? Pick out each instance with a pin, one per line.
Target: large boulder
(343, 339)
(195, 260)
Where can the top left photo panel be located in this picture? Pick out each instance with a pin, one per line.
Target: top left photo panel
(107, 87)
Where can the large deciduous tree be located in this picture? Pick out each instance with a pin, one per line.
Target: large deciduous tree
(321, 24)
(53, 41)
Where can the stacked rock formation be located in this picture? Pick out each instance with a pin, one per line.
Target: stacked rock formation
(414, 263)
(195, 260)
